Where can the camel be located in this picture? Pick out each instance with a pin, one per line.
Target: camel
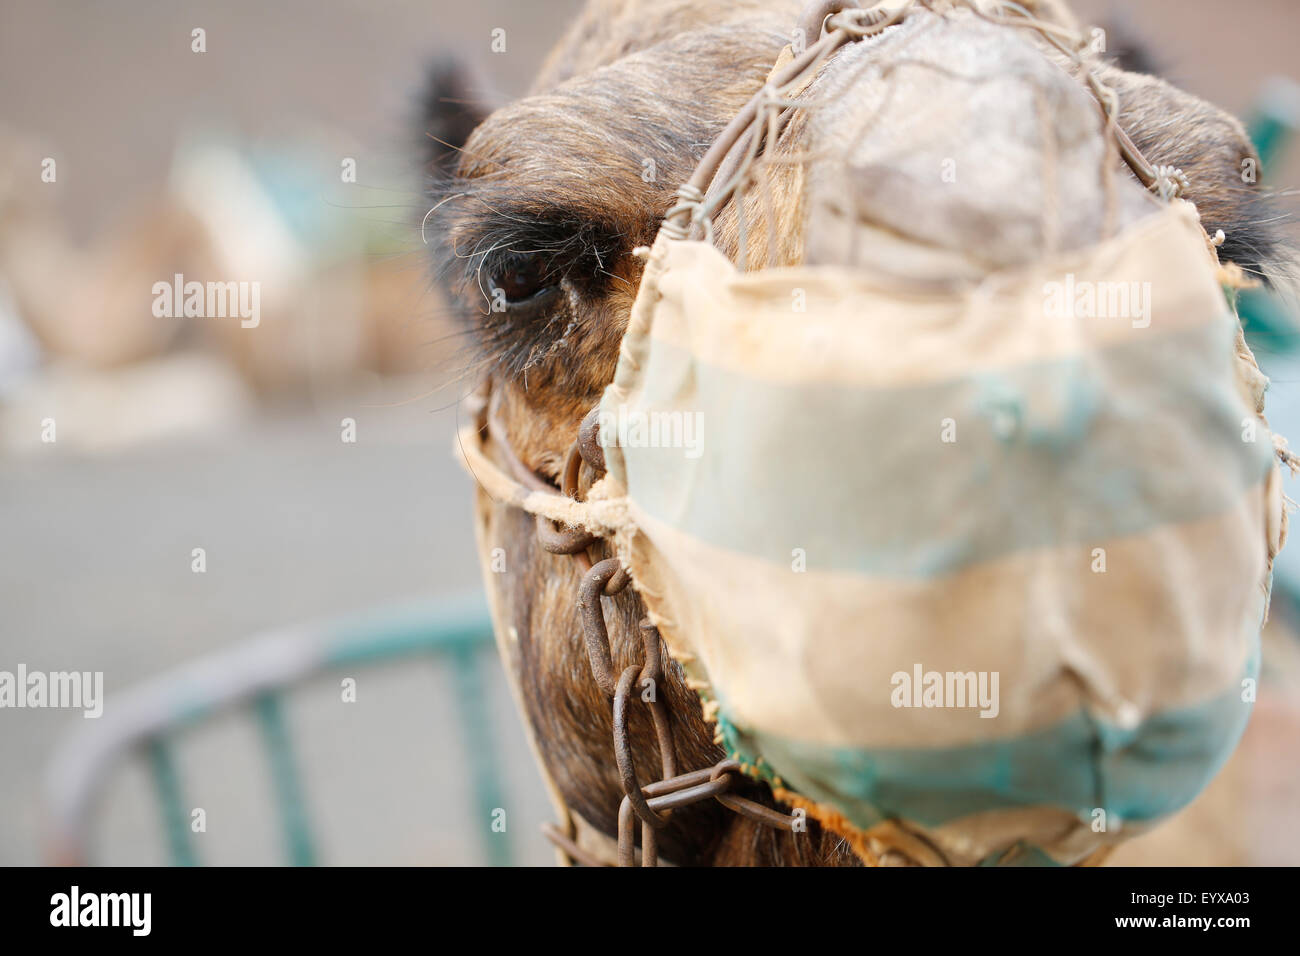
(541, 204)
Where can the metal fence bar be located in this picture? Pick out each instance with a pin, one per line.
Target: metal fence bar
(289, 798)
(171, 804)
(475, 723)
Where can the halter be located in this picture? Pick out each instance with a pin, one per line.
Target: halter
(577, 518)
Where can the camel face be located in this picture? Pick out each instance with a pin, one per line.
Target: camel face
(949, 146)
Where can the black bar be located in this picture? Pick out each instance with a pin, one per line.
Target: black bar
(333, 905)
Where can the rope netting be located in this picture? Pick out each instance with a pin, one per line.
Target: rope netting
(755, 163)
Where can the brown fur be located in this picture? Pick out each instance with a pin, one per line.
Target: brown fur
(561, 170)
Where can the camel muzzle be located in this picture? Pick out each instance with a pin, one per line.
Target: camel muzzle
(954, 500)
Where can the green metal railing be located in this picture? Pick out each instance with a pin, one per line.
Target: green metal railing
(256, 675)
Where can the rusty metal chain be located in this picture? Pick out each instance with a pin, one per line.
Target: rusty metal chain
(651, 803)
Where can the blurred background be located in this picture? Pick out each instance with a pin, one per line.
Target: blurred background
(284, 153)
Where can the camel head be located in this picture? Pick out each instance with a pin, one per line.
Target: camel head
(947, 145)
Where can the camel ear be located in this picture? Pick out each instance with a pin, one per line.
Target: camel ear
(452, 104)
(1175, 128)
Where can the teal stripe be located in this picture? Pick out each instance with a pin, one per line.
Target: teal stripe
(1140, 774)
(1064, 452)
(1021, 854)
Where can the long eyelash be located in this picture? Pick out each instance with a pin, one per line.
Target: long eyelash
(618, 278)
(475, 229)
(478, 272)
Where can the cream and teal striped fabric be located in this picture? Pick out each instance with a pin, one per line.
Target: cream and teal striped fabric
(849, 486)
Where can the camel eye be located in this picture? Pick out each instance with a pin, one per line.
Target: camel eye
(524, 279)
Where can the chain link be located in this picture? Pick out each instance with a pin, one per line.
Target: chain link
(652, 803)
